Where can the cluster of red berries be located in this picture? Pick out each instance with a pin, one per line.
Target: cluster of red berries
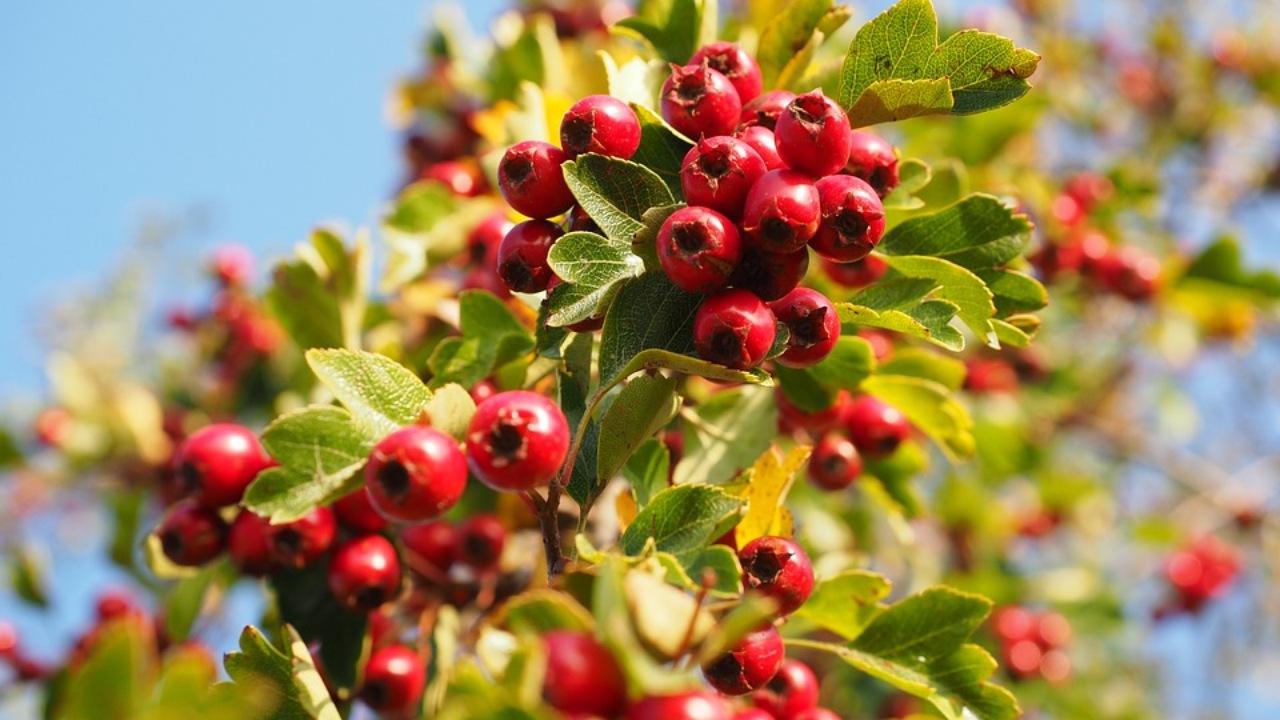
(1197, 573)
(849, 430)
(1031, 643)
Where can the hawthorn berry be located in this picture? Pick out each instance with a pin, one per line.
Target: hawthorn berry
(816, 714)
(582, 676)
(415, 474)
(735, 64)
(748, 665)
(698, 101)
(752, 714)
(835, 463)
(302, 542)
(232, 264)
(485, 238)
(856, 274)
(876, 427)
(782, 211)
(216, 464)
(435, 542)
(364, 573)
(813, 135)
(580, 221)
(1089, 189)
(355, 511)
(53, 426)
(109, 605)
(792, 691)
(761, 139)
(769, 275)
(852, 219)
(481, 539)
(779, 568)
(815, 423)
(191, 534)
(718, 172)
(764, 110)
(989, 375)
(734, 328)
(522, 256)
(394, 680)
(531, 180)
(692, 705)
(1130, 272)
(517, 440)
(600, 124)
(698, 249)
(461, 179)
(813, 323)
(248, 544)
(872, 159)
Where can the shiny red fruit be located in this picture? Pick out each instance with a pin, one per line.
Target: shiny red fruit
(522, 256)
(582, 676)
(484, 239)
(302, 542)
(435, 542)
(693, 705)
(752, 714)
(394, 680)
(248, 544)
(600, 124)
(791, 417)
(461, 178)
(698, 249)
(990, 375)
(718, 173)
(1013, 623)
(872, 159)
(876, 427)
(835, 463)
(531, 181)
(768, 275)
(762, 140)
(364, 573)
(813, 135)
(764, 110)
(1130, 272)
(192, 535)
(414, 474)
(517, 441)
(813, 323)
(852, 219)
(748, 665)
(817, 714)
(778, 568)
(698, 101)
(481, 539)
(355, 511)
(216, 464)
(232, 264)
(734, 63)
(111, 604)
(792, 691)
(782, 211)
(856, 274)
(734, 328)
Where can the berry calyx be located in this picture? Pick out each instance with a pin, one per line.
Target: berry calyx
(522, 256)
(770, 275)
(813, 323)
(582, 676)
(415, 474)
(600, 124)
(394, 680)
(782, 211)
(748, 665)
(302, 542)
(698, 101)
(698, 249)
(835, 463)
(517, 440)
(764, 110)
(481, 539)
(852, 219)
(192, 535)
(355, 511)
(762, 140)
(718, 173)
(734, 63)
(876, 427)
(364, 573)
(248, 544)
(216, 464)
(872, 159)
(531, 180)
(734, 328)
(813, 135)
(435, 543)
(779, 568)
(792, 690)
(693, 705)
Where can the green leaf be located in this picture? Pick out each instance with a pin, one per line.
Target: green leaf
(682, 521)
(929, 320)
(306, 603)
(319, 298)
(1222, 262)
(435, 231)
(1014, 292)
(978, 233)
(851, 361)
(786, 34)
(716, 563)
(671, 27)
(450, 410)
(287, 675)
(846, 603)
(382, 395)
(648, 470)
(895, 68)
(917, 362)
(913, 176)
(321, 451)
(726, 434)
(931, 408)
(27, 576)
(645, 404)
(974, 302)
(543, 610)
(635, 82)
(648, 313)
(420, 206)
(593, 269)
(10, 455)
(615, 193)
(185, 601)
(662, 149)
(485, 318)
(575, 396)
(803, 390)
(653, 359)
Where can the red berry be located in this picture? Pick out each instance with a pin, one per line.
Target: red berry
(880, 341)
(486, 278)
(852, 219)
(459, 177)
(582, 676)
(483, 390)
(734, 63)
(856, 274)
(990, 375)
(481, 539)
(814, 326)
(484, 239)
(876, 427)
(764, 110)
(303, 541)
(699, 249)
(364, 573)
(817, 714)
(600, 124)
(1089, 189)
(8, 640)
(580, 221)
(752, 714)
(698, 101)
(761, 139)
(815, 423)
(53, 426)
(693, 705)
(872, 159)
(1022, 658)
(110, 605)
(747, 666)
(1130, 272)
(782, 211)
(434, 542)
(778, 568)
(192, 535)
(217, 463)
(355, 511)
(232, 264)
(718, 173)
(248, 544)
(792, 691)
(734, 328)
(1052, 630)
(517, 441)
(813, 135)
(522, 257)
(1013, 623)
(415, 474)
(394, 680)
(530, 178)
(770, 275)
(835, 463)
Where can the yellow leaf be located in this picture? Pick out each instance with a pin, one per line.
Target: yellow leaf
(627, 510)
(766, 493)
